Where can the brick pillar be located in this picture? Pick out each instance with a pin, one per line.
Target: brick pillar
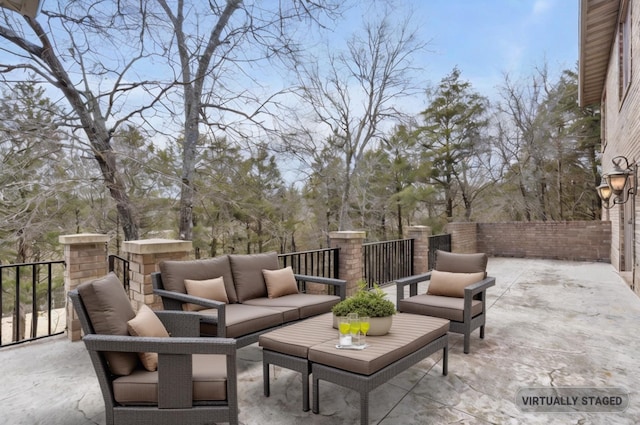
(144, 257)
(85, 258)
(351, 266)
(420, 236)
(464, 237)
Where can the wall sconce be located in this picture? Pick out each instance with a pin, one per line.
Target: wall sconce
(615, 181)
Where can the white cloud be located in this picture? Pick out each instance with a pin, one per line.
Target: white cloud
(540, 7)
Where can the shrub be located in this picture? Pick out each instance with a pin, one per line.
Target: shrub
(371, 303)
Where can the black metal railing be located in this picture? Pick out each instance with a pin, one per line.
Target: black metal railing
(318, 262)
(438, 242)
(387, 261)
(29, 293)
(120, 266)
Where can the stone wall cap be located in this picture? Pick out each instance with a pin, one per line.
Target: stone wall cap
(348, 234)
(156, 246)
(83, 238)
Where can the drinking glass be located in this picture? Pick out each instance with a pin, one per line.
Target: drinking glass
(344, 327)
(354, 328)
(365, 324)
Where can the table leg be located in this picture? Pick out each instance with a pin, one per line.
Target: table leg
(316, 395)
(265, 379)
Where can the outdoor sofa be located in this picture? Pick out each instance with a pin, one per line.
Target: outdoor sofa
(242, 296)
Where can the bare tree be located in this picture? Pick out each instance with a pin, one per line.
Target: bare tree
(95, 88)
(221, 45)
(360, 91)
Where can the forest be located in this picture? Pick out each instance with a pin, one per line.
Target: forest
(217, 122)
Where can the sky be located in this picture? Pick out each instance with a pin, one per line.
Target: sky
(487, 38)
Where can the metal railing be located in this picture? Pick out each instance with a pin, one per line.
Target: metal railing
(387, 261)
(441, 242)
(120, 266)
(30, 292)
(319, 262)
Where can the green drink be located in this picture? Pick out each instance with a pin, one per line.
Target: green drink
(344, 328)
(364, 327)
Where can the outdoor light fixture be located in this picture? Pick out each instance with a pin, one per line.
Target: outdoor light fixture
(614, 182)
(28, 8)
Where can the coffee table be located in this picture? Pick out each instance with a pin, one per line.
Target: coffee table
(309, 347)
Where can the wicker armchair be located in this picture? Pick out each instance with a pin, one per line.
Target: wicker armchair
(457, 291)
(196, 378)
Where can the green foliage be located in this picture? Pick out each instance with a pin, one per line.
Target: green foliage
(371, 303)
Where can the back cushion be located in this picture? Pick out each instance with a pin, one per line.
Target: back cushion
(109, 310)
(247, 273)
(452, 284)
(461, 263)
(175, 272)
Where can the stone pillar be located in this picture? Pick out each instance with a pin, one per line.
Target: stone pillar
(351, 266)
(144, 257)
(420, 236)
(85, 258)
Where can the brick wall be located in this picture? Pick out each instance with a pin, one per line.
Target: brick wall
(566, 240)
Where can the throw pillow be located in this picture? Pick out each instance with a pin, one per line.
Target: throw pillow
(452, 284)
(146, 323)
(211, 289)
(280, 282)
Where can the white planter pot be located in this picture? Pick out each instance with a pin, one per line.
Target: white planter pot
(379, 325)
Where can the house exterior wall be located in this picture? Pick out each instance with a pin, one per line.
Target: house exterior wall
(621, 136)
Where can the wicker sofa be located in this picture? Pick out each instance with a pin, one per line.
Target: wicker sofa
(242, 296)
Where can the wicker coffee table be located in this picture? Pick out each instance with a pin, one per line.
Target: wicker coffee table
(310, 347)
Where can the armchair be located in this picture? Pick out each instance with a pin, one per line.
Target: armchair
(196, 378)
(457, 291)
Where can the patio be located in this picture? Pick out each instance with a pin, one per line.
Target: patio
(550, 323)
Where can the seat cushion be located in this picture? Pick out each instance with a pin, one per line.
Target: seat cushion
(438, 306)
(461, 263)
(209, 382)
(280, 282)
(451, 284)
(211, 289)
(247, 273)
(408, 334)
(174, 273)
(296, 340)
(242, 319)
(308, 305)
(109, 310)
(146, 323)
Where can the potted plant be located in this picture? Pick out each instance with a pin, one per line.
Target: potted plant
(369, 303)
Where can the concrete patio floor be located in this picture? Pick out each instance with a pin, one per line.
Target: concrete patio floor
(550, 324)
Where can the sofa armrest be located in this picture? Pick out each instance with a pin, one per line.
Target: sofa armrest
(180, 323)
(186, 298)
(173, 345)
(340, 285)
(412, 281)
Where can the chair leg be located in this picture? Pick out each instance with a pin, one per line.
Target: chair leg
(467, 342)
(482, 332)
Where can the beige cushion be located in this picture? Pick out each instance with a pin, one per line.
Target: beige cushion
(175, 272)
(307, 305)
(461, 263)
(211, 289)
(146, 323)
(280, 282)
(408, 334)
(296, 340)
(451, 308)
(109, 310)
(247, 273)
(242, 319)
(209, 382)
(451, 284)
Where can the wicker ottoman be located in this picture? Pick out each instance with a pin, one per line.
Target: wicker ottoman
(310, 347)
